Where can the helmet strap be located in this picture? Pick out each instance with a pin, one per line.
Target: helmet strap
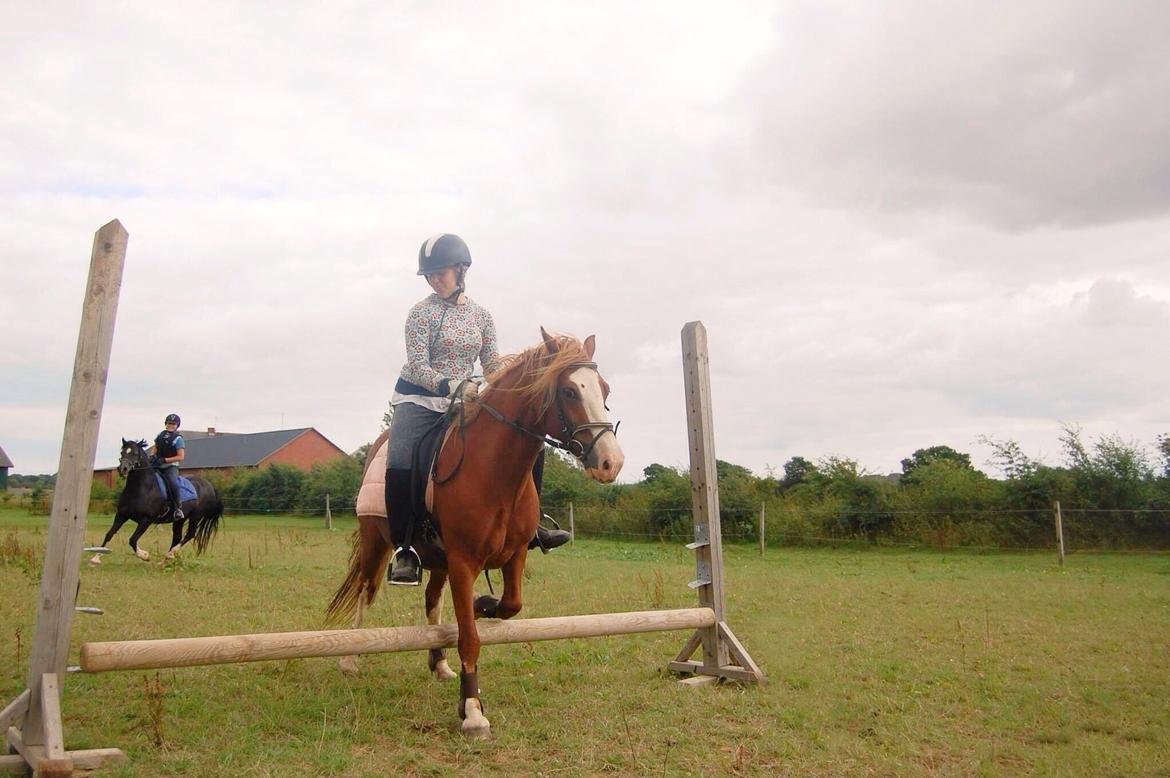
(460, 287)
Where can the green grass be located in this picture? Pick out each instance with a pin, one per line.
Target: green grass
(880, 662)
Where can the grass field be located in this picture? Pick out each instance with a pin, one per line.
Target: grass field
(880, 663)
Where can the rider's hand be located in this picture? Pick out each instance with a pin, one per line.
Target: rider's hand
(464, 390)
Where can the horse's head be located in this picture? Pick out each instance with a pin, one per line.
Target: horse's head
(133, 456)
(575, 412)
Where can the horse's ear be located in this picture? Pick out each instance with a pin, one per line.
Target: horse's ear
(590, 345)
(550, 342)
(123, 442)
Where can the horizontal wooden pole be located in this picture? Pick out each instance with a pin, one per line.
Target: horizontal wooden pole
(230, 649)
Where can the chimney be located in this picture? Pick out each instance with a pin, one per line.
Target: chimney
(211, 432)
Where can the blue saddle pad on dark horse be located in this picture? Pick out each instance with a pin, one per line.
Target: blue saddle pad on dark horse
(186, 488)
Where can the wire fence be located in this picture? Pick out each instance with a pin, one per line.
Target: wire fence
(969, 530)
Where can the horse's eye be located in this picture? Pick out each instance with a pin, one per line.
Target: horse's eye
(570, 392)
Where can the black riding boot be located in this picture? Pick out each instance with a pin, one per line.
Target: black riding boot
(545, 539)
(548, 539)
(405, 566)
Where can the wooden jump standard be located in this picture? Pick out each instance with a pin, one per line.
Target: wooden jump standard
(31, 723)
(229, 649)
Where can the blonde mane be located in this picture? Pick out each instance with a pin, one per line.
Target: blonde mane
(532, 374)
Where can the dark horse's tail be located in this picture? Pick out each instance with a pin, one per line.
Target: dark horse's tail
(210, 511)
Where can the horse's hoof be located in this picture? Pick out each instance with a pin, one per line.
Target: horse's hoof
(96, 559)
(348, 665)
(142, 554)
(475, 724)
(443, 671)
(485, 606)
(170, 555)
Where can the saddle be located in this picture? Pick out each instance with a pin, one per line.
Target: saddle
(186, 488)
(415, 494)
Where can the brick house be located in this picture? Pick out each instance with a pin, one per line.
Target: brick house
(223, 452)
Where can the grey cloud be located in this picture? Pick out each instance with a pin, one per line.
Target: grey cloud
(1018, 114)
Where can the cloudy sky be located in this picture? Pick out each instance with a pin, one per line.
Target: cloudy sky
(903, 224)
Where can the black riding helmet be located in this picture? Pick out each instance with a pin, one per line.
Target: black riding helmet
(440, 251)
(172, 418)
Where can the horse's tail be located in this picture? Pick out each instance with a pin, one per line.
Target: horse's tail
(345, 600)
(208, 522)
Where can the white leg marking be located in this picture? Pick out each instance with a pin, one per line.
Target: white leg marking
(96, 559)
(443, 671)
(475, 724)
(142, 554)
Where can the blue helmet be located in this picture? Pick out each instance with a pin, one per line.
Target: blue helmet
(440, 251)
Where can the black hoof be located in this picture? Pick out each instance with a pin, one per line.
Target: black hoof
(486, 606)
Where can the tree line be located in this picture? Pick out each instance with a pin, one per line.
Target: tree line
(1113, 494)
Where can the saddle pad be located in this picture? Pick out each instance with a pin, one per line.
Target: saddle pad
(371, 499)
(186, 488)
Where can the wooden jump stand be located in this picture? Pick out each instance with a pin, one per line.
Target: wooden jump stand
(32, 721)
(719, 643)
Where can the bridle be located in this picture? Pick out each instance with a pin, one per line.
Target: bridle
(567, 442)
(139, 459)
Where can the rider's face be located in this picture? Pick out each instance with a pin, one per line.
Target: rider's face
(443, 281)
(171, 426)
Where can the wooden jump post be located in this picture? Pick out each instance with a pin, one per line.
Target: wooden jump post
(32, 722)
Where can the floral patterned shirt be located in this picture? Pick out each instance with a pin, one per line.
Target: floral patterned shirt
(443, 340)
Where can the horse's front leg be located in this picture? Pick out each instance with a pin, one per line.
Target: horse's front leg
(510, 602)
(119, 520)
(462, 576)
(437, 661)
(141, 529)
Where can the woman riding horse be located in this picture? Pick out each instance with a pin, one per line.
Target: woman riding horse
(445, 333)
(485, 506)
(144, 500)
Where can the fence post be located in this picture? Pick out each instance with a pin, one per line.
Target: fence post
(572, 526)
(762, 507)
(1059, 534)
(328, 513)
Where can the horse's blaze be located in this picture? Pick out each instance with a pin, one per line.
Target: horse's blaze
(605, 460)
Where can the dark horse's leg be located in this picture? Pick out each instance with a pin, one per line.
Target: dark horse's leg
(177, 538)
(141, 553)
(120, 518)
(462, 575)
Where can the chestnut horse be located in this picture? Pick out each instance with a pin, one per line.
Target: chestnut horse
(485, 504)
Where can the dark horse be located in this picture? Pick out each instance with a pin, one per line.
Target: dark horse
(144, 501)
(484, 501)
